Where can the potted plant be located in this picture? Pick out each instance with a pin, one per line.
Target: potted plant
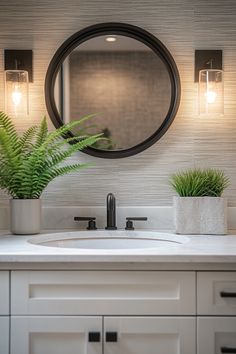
(28, 162)
(200, 207)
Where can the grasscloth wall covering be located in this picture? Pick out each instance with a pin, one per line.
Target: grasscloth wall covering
(183, 26)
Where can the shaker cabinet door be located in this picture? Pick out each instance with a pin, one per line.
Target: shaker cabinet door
(56, 335)
(149, 335)
(216, 335)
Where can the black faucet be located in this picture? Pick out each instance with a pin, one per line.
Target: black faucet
(111, 212)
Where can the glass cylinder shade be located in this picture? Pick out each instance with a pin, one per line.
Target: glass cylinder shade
(16, 93)
(211, 92)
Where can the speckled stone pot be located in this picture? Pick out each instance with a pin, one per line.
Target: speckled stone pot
(25, 216)
(200, 215)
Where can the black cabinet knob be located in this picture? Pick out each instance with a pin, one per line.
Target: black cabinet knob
(111, 337)
(94, 337)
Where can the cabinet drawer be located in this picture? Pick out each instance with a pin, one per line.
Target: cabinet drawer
(216, 293)
(216, 335)
(4, 293)
(103, 292)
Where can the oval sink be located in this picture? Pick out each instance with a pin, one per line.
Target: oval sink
(108, 240)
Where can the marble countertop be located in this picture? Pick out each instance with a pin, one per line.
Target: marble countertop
(207, 249)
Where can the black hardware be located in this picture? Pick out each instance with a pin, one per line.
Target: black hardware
(227, 294)
(228, 350)
(207, 59)
(129, 222)
(127, 30)
(94, 337)
(111, 337)
(19, 60)
(90, 219)
(111, 212)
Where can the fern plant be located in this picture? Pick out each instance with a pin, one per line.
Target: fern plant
(30, 161)
(200, 182)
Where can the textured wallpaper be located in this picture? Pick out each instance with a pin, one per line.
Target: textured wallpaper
(183, 26)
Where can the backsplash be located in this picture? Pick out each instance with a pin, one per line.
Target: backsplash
(182, 26)
(62, 218)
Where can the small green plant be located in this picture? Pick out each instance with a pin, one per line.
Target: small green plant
(30, 161)
(200, 182)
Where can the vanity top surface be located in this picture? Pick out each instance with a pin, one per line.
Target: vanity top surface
(206, 249)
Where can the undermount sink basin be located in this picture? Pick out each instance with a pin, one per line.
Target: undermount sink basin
(108, 240)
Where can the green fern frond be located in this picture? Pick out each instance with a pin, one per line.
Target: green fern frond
(8, 152)
(7, 125)
(31, 161)
(25, 141)
(52, 173)
(42, 133)
(59, 156)
(63, 130)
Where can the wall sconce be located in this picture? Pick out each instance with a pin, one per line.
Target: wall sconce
(18, 71)
(209, 75)
(16, 92)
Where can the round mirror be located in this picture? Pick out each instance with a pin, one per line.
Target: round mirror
(123, 75)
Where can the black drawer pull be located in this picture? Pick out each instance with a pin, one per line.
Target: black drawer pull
(111, 337)
(228, 350)
(94, 337)
(227, 294)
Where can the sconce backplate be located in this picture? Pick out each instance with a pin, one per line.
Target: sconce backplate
(19, 60)
(203, 60)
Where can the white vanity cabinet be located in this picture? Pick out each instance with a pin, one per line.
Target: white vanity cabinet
(216, 309)
(123, 312)
(103, 312)
(4, 312)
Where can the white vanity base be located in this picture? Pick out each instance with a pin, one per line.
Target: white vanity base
(134, 302)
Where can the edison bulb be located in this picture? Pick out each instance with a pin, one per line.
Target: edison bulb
(16, 97)
(211, 97)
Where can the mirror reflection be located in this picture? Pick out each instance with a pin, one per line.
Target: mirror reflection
(121, 80)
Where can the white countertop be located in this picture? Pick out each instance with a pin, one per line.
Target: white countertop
(208, 249)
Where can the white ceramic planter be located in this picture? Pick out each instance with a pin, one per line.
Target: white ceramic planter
(25, 216)
(200, 215)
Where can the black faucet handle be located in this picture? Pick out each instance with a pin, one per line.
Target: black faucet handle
(90, 219)
(129, 221)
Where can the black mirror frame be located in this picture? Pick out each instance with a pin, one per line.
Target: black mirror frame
(116, 29)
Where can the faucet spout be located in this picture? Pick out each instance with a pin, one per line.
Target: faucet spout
(111, 212)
